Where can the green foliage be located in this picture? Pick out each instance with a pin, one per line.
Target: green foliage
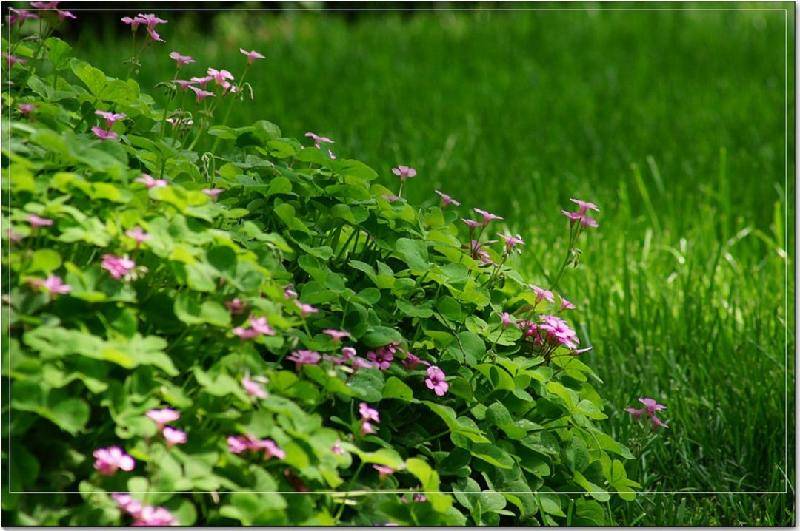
(516, 438)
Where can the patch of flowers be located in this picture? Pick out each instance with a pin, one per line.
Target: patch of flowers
(204, 318)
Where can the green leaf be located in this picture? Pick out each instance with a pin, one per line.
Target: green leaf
(45, 260)
(367, 384)
(379, 336)
(414, 253)
(191, 309)
(395, 388)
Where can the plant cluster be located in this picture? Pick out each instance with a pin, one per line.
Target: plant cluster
(221, 325)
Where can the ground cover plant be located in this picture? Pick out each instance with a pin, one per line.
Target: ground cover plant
(670, 117)
(217, 325)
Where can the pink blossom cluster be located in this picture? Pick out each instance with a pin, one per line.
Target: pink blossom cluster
(238, 444)
(52, 6)
(258, 326)
(648, 412)
(255, 386)
(119, 267)
(108, 460)
(164, 416)
(149, 20)
(304, 357)
(549, 333)
(368, 416)
(350, 356)
(53, 285)
(110, 119)
(144, 515)
(582, 216)
(382, 358)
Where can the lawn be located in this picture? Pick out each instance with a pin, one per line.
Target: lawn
(673, 120)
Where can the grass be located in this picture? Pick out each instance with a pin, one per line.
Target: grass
(673, 121)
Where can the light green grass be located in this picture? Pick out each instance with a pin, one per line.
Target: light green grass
(673, 121)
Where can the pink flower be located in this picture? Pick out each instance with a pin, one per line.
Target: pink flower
(181, 60)
(251, 55)
(150, 182)
(202, 81)
(447, 200)
(219, 76)
(651, 405)
(366, 427)
(382, 358)
(368, 413)
(19, 15)
(127, 503)
(318, 139)
(304, 357)
(173, 436)
(648, 411)
(289, 292)
(53, 285)
(583, 206)
(117, 266)
(337, 448)
(506, 319)
(419, 497)
(558, 332)
(213, 192)
(132, 22)
(26, 108)
(404, 172)
(582, 215)
(63, 15)
(154, 517)
(239, 444)
(258, 327)
(270, 449)
(657, 422)
(566, 305)
(37, 221)
(254, 387)
(488, 217)
(336, 335)
(412, 361)
(236, 445)
(361, 363)
(13, 59)
(435, 380)
(244, 333)
(200, 93)
(150, 19)
(511, 241)
(306, 309)
(110, 117)
(153, 34)
(383, 470)
(138, 235)
(163, 416)
(391, 197)
(183, 84)
(542, 294)
(102, 134)
(108, 460)
(471, 223)
(236, 306)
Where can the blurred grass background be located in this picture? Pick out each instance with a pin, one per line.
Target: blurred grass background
(673, 120)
